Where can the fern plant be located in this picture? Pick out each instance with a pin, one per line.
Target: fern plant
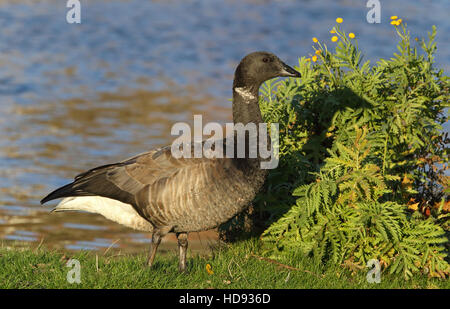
(363, 159)
(342, 217)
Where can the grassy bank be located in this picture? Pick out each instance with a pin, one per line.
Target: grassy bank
(236, 266)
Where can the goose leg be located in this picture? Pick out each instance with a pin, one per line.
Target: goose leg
(156, 240)
(182, 248)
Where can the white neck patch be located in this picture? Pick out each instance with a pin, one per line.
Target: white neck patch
(245, 93)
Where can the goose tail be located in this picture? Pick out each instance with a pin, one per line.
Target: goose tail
(64, 191)
(113, 210)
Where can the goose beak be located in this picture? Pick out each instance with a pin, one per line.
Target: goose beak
(287, 71)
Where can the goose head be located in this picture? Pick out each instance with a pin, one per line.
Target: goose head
(257, 67)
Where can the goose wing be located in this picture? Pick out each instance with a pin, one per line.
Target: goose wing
(123, 180)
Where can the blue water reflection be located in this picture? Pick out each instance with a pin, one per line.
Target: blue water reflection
(74, 96)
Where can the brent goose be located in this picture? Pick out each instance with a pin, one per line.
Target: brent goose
(159, 193)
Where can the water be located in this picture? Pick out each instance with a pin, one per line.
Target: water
(77, 96)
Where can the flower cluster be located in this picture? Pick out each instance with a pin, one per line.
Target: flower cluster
(396, 21)
(336, 34)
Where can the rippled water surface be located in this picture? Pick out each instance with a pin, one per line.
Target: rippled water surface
(76, 96)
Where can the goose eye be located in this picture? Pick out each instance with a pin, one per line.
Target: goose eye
(266, 59)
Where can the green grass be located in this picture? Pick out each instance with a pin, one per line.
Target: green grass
(234, 266)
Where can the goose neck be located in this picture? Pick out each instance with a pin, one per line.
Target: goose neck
(246, 105)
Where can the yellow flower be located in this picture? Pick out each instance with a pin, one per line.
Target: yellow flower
(351, 35)
(314, 58)
(315, 40)
(413, 207)
(209, 269)
(308, 59)
(334, 39)
(339, 20)
(394, 17)
(332, 31)
(396, 22)
(318, 52)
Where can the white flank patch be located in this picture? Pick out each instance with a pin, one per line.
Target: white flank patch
(111, 209)
(245, 93)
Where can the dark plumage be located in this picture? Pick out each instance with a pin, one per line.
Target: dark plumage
(186, 194)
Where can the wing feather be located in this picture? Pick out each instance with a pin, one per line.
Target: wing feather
(123, 180)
